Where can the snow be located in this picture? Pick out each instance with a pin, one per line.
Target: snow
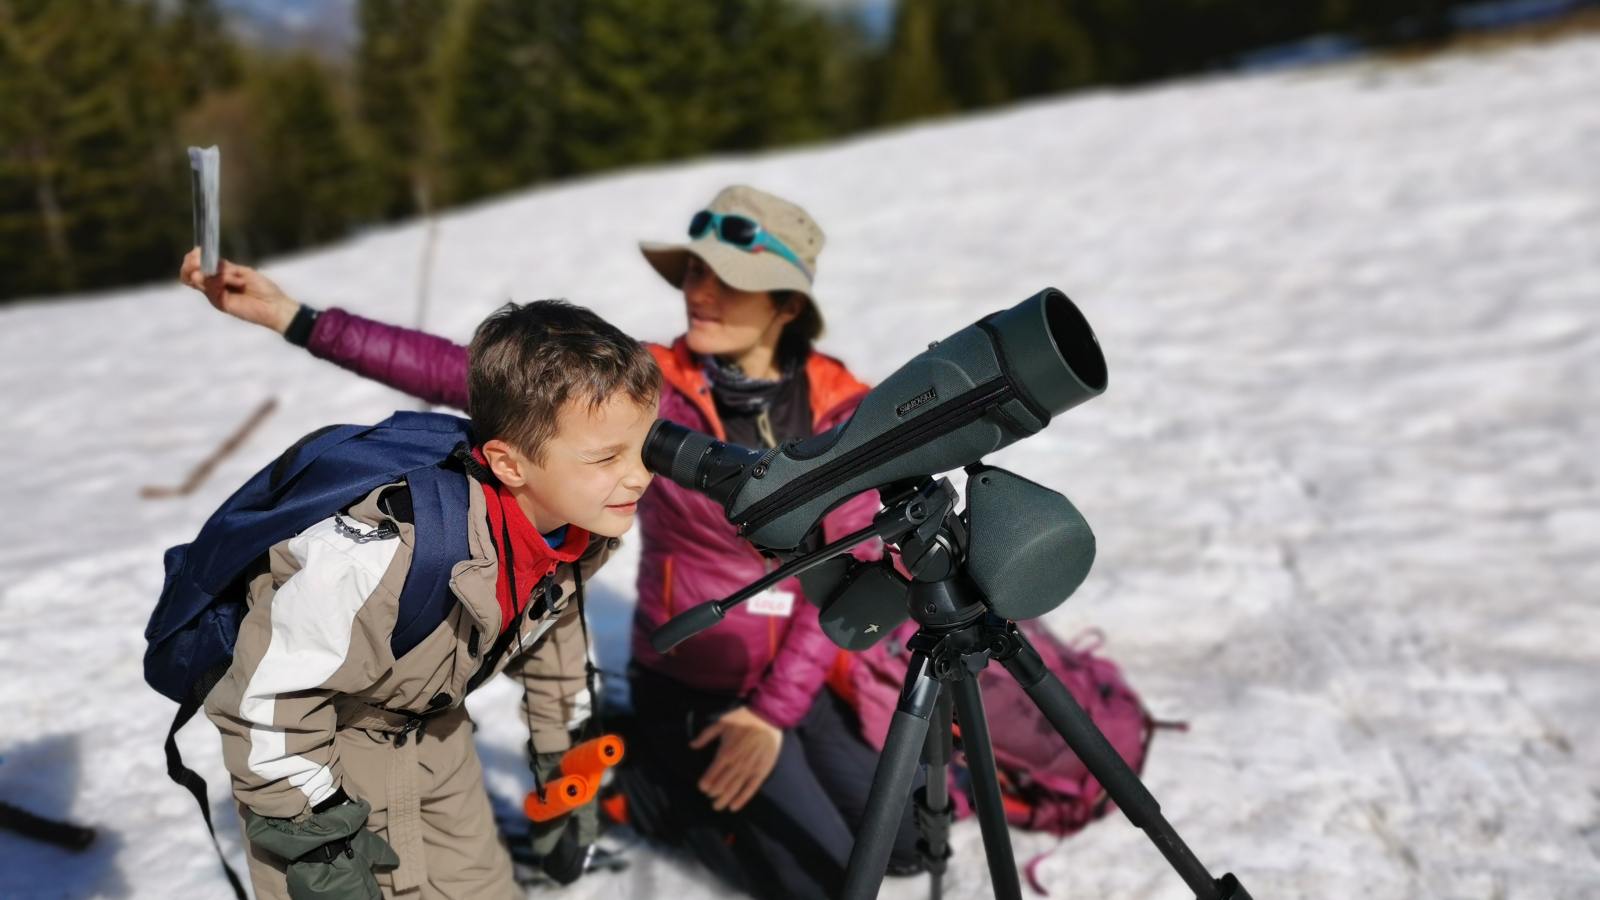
(1344, 478)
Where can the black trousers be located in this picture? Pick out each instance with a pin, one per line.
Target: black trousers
(793, 839)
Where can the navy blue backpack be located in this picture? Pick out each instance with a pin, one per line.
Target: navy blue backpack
(192, 631)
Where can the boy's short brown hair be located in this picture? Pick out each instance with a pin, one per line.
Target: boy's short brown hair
(528, 360)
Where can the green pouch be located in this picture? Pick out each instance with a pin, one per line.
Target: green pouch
(347, 873)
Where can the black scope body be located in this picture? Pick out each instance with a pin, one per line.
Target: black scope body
(989, 385)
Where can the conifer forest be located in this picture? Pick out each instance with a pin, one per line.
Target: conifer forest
(442, 102)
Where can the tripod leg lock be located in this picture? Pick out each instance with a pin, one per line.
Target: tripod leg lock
(934, 828)
(1229, 888)
(921, 690)
(1024, 662)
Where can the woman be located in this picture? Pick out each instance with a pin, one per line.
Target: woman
(744, 754)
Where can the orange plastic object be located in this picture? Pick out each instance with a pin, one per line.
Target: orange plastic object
(616, 807)
(561, 796)
(590, 758)
(581, 768)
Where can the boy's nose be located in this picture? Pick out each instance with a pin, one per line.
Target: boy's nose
(640, 477)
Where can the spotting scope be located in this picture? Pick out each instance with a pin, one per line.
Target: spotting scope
(989, 385)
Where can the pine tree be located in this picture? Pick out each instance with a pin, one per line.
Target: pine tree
(542, 89)
(770, 73)
(505, 76)
(968, 54)
(916, 88)
(1386, 21)
(665, 79)
(1043, 46)
(396, 79)
(312, 187)
(93, 186)
(34, 255)
(199, 49)
(460, 99)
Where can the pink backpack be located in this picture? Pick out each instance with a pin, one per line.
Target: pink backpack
(1045, 786)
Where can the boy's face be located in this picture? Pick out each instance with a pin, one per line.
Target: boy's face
(592, 472)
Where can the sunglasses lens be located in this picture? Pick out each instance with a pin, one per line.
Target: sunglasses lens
(738, 230)
(699, 224)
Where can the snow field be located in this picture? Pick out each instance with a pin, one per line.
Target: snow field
(1343, 481)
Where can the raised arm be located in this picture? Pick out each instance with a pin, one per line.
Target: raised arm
(426, 367)
(429, 368)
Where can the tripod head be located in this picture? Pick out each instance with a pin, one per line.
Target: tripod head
(1018, 550)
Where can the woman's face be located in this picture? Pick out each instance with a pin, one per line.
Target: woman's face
(725, 321)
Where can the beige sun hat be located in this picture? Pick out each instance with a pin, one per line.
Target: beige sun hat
(761, 270)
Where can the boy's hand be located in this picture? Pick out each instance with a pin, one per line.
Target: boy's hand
(563, 844)
(241, 292)
(331, 854)
(745, 757)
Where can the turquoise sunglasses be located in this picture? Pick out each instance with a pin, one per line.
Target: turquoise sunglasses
(743, 232)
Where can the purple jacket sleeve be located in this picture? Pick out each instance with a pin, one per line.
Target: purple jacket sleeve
(426, 367)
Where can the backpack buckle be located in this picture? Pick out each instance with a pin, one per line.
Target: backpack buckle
(462, 455)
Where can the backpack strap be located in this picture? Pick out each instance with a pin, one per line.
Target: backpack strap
(188, 778)
(439, 505)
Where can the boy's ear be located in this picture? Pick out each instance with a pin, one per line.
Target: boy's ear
(506, 463)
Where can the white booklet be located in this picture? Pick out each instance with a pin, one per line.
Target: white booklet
(205, 167)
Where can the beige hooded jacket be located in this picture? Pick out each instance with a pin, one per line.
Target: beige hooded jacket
(313, 652)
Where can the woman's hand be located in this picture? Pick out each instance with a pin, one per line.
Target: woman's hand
(745, 757)
(241, 292)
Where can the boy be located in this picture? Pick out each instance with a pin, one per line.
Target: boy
(355, 772)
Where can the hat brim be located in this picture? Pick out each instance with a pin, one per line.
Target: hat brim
(744, 270)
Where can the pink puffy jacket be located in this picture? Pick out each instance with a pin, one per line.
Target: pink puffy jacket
(690, 554)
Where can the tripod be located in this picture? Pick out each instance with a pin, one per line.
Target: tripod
(956, 638)
(958, 634)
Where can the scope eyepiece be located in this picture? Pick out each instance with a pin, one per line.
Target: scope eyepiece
(666, 443)
(697, 461)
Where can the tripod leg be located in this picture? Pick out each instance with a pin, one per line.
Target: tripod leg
(1121, 783)
(891, 783)
(931, 803)
(986, 789)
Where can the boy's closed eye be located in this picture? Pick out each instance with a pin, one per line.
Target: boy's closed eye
(604, 455)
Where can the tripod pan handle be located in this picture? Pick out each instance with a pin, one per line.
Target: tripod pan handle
(686, 625)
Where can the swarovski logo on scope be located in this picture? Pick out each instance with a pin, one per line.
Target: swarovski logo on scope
(926, 397)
